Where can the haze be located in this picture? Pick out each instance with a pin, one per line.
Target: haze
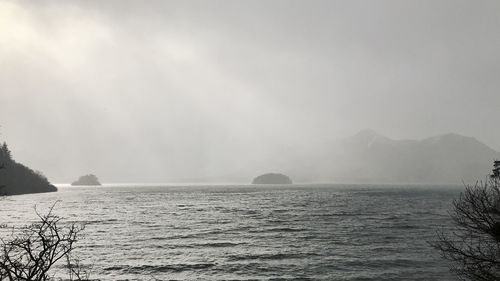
(199, 90)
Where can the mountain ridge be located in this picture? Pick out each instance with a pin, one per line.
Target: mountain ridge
(369, 157)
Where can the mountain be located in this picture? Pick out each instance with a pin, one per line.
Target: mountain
(15, 178)
(369, 157)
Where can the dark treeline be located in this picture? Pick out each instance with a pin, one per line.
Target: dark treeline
(15, 178)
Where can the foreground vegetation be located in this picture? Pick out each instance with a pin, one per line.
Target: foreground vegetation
(33, 252)
(473, 244)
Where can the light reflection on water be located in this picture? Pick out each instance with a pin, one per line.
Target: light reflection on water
(315, 232)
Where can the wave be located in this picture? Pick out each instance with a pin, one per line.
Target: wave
(278, 229)
(279, 256)
(207, 245)
(159, 268)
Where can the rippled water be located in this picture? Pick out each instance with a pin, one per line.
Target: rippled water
(327, 232)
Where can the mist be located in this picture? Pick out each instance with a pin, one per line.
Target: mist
(225, 90)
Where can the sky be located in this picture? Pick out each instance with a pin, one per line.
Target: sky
(186, 90)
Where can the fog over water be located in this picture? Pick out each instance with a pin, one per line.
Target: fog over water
(224, 90)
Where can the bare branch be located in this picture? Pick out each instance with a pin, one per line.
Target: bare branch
(472, 244)
(33, 250)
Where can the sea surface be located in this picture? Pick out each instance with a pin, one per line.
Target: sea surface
(237, 232)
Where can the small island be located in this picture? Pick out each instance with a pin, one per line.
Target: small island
(272, 178)
(87, 180)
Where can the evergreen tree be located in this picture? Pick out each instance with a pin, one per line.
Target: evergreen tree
(5, 154)
(496, 170)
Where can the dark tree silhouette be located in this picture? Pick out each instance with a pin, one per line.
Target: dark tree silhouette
(496, 170)
(31, 253)
(5, 154)
(5, 157)
(472, 244)
(19, 179)
(2, 186)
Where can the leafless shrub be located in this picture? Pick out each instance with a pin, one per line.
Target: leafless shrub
(32, 253)
(472, 245)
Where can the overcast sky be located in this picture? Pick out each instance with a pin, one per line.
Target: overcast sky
(162, 90)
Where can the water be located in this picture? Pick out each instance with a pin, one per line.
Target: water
(322, 232)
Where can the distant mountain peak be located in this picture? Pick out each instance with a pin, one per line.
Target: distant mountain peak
(446, 158)
(368, 137)
(367, 133)
(450, 137)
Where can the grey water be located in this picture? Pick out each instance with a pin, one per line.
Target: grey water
(237, 232)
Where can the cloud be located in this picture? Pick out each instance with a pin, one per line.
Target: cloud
(228, 88)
